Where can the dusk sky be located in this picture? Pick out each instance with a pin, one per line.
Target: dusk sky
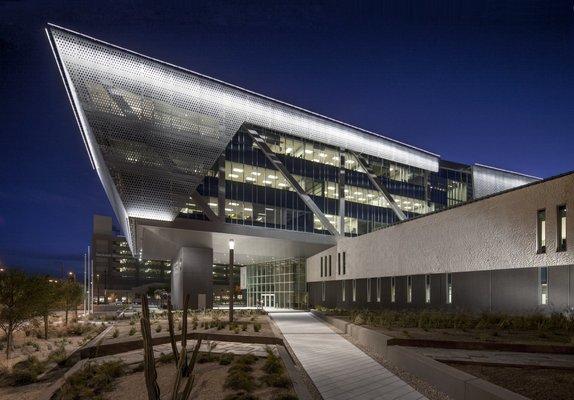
(480, 81)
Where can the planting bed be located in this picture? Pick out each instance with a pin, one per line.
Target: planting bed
(534, 383)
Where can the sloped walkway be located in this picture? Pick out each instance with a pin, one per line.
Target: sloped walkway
(339, 369)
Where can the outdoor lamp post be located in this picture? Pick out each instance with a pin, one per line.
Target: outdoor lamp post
(230, 275)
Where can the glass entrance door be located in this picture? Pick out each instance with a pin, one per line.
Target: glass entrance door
(268, 300)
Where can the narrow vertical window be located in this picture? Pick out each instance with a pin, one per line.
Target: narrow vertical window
(343, 289)
(354, 290)
(368, 290)
(544, 285)
(448, 288)
(541, 232)
(344, 263)
(561, 227)
(330, 270)
(378, 290)
(321, 267)
(427, 288)
(339, 263)
(409, 289)
(323, 291)
(393, 289)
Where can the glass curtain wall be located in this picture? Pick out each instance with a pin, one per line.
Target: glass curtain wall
(284, 279)
(257, 194)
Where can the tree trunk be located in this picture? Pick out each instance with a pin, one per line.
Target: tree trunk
(46, 326)
(66, 315)
(9, 341)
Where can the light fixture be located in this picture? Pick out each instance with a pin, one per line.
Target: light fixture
(233, 176)
(250, 179)
(288, 150)
(267, 182)
(231, 244)
(237, 170)
(272, 176)
(256, 173)
(307, 151)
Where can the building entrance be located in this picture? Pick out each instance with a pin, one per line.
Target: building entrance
(268, 300)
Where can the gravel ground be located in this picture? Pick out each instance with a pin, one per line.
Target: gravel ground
(421, 386)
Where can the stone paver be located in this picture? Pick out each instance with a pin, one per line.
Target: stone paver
(339, 369)
(499, 357)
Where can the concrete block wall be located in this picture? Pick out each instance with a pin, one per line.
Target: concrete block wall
(514, 291)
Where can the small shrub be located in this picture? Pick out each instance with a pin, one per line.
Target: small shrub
(246, 359)
(272, 364)
(91, 381)
(116, 333)
(276, 380)
(256, 327)
(26, 372)
(158, 328)
(166, 358)
(239, 380)
(286, 396)
(132, 322)
(236, 330)
(132, 331)
(194, 326)
(59, 355)
(244, 327)
(226, 359)
(179, 326)
(203, 358)
(240, 396)
(139, 368)
(35, 345)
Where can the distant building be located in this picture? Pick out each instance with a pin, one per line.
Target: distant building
(117, 273)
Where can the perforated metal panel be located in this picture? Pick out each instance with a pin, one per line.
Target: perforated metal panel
(158, 128)
(488, 180)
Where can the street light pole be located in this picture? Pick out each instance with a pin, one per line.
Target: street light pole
(230, 275)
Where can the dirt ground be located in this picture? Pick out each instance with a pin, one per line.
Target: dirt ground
(208, 385)
(27, 343)
(534, 383)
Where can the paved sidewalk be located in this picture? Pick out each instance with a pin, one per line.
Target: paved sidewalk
(498, 357)
(339, 369)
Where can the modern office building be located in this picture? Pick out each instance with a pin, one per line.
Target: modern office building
(189, 162)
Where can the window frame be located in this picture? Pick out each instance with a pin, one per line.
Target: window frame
(354, 290)
(378, 283)
(541, 231)
(561, 242)
(427, 288)
(448, 288)
(409, 289)
(393, 289)
(543, 286)
(369, 287)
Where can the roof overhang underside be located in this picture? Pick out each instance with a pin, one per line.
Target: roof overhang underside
(153, 130)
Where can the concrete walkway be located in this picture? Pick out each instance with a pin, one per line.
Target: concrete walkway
(339, 369)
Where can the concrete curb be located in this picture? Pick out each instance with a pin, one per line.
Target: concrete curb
(457, 384)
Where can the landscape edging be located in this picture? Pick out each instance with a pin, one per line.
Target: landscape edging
(454, 382)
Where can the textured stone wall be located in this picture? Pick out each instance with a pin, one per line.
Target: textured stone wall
(494, 233)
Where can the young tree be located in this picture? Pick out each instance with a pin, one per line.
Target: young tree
(17, 292)
(46, 300)
(71, 294)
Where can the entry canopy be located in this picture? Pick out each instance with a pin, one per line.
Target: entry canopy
(153, 130)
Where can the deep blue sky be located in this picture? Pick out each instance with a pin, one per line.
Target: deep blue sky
(482, 81)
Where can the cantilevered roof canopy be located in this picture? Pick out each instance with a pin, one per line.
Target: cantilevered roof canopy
(153, 130)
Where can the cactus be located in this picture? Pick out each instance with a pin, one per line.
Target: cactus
(149, 362)
(183, 369)
(171, 330)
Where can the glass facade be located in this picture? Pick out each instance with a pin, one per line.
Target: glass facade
(277, 284)
(257, 194)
